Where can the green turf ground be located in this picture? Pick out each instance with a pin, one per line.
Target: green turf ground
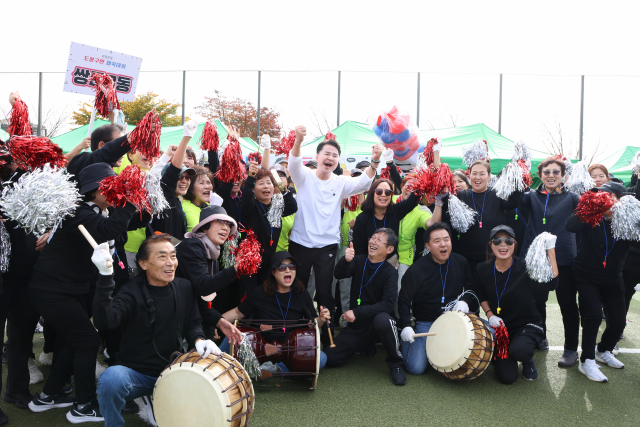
(361, 394)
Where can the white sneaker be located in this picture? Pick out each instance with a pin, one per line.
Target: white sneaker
(592, 370)
(145, 403)
(615, 350)
(99, 369)
(609, 359)
(46, 358)
(35, 376)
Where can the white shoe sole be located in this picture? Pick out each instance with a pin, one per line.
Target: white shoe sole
(582, 371)
(36, 380)
(601, 360)
(43, 408)
(74, 420)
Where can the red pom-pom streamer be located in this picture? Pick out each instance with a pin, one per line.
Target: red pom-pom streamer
(429, 158)
(443, 181)
(19, 121)
(144, 140)
(35, 152)
(592, 207)
(384, 174)
(209, 141)
(351, 203)
(106, 96)
(422, 182)
(285, 145)
(248, 258)
(128, 186)
(329, 136)
(501, 343)
(230, 164)
(526, 176)
(255, 157)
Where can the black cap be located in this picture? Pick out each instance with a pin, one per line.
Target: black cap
(612, 187)
(312, 163)
(362, 164)
(90, 177)
(278, 257)
(500, 228)
(356, 172)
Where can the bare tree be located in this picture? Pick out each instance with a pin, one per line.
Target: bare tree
(597, 150)
(555, 142)
(321, 123)
(454, 121)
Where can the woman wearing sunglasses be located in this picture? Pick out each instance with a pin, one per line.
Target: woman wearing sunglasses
(506, 293)
(280, 300)
(198, 262)
(549, 208)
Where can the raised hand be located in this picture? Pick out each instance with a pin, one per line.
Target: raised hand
(349, 253)
(253, 168)
(301, 132)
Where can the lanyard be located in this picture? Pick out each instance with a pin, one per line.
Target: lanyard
(120, 263)
(284, 316)
(496, 283)
(384, 221)
(362, 279)
(544, 215)
(607, 251)
(444, 282)
(270, 227)
(476, 209)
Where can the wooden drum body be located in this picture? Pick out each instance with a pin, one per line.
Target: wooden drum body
(215, 391)
(462, 348)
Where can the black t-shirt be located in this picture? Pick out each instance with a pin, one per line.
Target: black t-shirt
(291, 306)
(173, 221)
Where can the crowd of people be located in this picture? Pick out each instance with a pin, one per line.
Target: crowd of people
(380, 262)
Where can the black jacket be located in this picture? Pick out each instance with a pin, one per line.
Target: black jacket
(110, 153)
(173, 221)
(130, 311)
(422, 291)
(65, 266)
(379, 290)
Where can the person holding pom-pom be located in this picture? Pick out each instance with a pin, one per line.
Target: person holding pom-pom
(506, 293)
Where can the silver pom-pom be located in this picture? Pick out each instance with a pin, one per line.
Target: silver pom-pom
(493, 180)
(635, 163)
(201, 157)
(521, 151)
(475, 151)
(350, 236)
(462, 216)
(568, 165)
(426, 251)
(229, 251)
(155, 195)
(510, 180)
(40, 199)
(247, 358)
(580, 180)
(625, 222)
(5, 247)
(274, 216)
(537, 260)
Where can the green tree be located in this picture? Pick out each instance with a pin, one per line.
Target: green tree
(135, 110)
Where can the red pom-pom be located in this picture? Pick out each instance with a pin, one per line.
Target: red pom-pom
(106, 96)
(526, 176)
(128, 186)
(144, 140)
(35, 152)
(384, 174)
(430, 184)
(210, 140)
(501, 343)
(592, 207)
(328, 136)
(255, 157)
(421, 181)
(443, 181)
(248, 258)
(351, 203)
(285, 145)
(428, 152)
(230, 164)
(19, 121)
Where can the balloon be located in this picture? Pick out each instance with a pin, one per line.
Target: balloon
(403, 136)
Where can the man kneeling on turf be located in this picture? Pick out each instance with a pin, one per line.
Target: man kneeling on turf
(428, 286)
(155, 311)
(374, 288)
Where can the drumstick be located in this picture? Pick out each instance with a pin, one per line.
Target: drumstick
(424, 334)
(92, 242)
(330, 335)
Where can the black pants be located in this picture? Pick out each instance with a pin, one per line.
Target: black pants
(323, 262)
(77, 341)
(631, 276)
(594, 293)
(50, 335)
(567, 295)
(522, 344)
(21, 318)
(349, 341)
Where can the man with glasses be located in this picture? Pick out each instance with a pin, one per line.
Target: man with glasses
(316, 230)
(428, 286)
(373, 295)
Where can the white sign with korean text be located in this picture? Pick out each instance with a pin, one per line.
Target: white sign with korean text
(85, 60)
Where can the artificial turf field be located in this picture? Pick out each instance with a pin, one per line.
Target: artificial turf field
(361, 394)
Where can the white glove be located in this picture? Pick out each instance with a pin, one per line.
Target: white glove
(461, 306)
(189, 129)
(100, 257)
(265, 141)
(387, 155)
(495, 322)
(438, 146)
(215, 200)
(407, 334)
(207, 347)
(551, 241)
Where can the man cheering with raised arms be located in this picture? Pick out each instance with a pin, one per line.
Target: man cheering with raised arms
(316, 230)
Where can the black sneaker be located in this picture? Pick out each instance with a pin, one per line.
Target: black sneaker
(3, 418)
(529, 370)
(569, 359)
(89, 414)
(21, 400)
(130, 407)
(544, 346)
(398, 376)
(59, 400)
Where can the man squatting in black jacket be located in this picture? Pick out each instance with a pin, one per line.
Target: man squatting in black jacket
(374, 290)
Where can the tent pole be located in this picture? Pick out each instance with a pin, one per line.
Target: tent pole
(581, 114)
(184, 83)
(338, 120)
(500, 108)
(39, 106)
(258, 112)
(418, 108)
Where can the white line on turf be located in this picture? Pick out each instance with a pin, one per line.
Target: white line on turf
(622, 350)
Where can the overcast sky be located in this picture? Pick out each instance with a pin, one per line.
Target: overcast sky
(460, 47)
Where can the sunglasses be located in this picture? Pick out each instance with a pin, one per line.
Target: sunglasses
(185, 178)
(224, 222)
(556, 172)
(387, 193)
(283, 267)
(508, 240)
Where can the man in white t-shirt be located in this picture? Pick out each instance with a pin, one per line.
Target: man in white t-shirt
(316, 230)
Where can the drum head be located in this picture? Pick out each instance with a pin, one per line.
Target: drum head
(452, 346)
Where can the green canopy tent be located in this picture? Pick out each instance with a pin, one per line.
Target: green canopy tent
(4, 135)
(619, 163)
